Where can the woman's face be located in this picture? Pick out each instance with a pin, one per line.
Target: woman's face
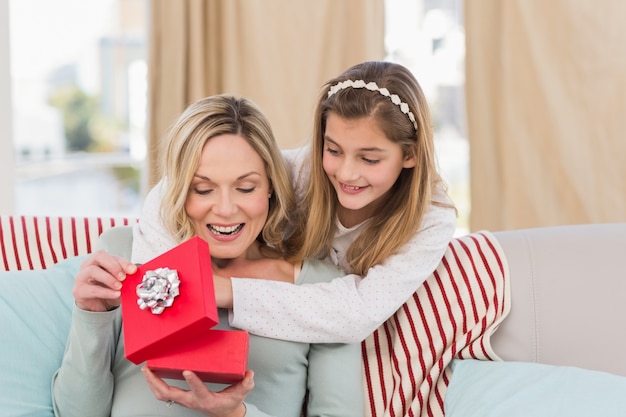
(228, 201)
(362, 164)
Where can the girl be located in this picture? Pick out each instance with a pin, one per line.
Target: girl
(372, 202)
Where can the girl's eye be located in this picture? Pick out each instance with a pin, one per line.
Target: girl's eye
(332, 151)
(371, 161)
(246, 190)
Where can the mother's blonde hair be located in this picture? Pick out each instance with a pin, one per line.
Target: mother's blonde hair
(203, 120)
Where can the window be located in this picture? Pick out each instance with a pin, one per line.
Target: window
(427, 36)
(90, 58)
(79, 78)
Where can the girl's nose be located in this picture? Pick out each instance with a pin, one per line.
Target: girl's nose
(347, 171)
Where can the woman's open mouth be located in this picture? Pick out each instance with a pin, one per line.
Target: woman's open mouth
(225, 230)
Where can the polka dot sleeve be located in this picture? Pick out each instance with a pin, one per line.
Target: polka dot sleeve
(349, 308)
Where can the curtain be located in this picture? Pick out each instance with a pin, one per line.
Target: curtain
(277, 53)
(546, 93)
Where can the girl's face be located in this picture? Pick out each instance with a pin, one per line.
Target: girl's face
(227, 200)
(362, 164)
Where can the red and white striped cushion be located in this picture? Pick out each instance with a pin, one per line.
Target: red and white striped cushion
(36, 242)
(452, 315)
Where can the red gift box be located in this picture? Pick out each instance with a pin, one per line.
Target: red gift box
(217, 356)
(192, 313)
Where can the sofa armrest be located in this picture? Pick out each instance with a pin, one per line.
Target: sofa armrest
(568, 289)
(117, 241)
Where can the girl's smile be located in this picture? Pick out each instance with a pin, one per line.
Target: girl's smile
(351, 189)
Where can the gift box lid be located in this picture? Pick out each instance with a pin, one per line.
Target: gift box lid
(219, 356)
(150, 326)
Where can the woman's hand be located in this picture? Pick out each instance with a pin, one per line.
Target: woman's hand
(225, 403)
(99, 281)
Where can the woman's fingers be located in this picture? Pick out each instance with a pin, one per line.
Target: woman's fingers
(160, 389)
(99, 281)
(226, 403)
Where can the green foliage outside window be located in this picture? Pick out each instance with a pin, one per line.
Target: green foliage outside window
(85, 127)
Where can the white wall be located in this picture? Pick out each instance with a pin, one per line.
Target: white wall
(7, 167)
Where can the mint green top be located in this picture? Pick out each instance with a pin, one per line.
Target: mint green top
(95, 379)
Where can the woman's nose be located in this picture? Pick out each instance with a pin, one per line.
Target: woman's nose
(225, 204)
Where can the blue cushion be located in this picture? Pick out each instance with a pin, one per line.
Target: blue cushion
(35, 312)
(489, 389)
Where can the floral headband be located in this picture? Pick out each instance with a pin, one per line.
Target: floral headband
(372, 86)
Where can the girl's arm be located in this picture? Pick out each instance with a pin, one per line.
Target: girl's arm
(349, 308)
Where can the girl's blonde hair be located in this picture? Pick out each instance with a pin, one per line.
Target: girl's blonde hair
(203, 120)
(400, 216)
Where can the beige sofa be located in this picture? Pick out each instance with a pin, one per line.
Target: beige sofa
(568, 287)
(568, 309)
(563, 340)
(568, 298)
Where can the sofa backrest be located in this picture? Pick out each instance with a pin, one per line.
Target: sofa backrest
(36, 242)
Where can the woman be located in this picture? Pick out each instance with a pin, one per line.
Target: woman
(230, 187)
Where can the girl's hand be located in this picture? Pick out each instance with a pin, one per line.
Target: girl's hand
(99, 281)
(225, 403)
(223, 290)
(265, 268)
(268, 268)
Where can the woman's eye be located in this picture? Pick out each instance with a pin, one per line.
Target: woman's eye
(332, 151)
(246, 190)
(202, 191)
(371, 161)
